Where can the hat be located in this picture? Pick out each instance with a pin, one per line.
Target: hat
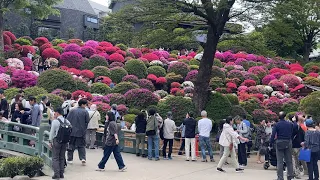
(309, 122)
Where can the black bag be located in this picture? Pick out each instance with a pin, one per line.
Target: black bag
(64, 132)
(282, 145)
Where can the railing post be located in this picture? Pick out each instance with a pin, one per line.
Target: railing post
(43, 127)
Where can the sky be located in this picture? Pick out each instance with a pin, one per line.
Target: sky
(104, 2)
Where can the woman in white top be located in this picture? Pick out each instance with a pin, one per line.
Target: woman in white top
(93, 125)
(228, 139)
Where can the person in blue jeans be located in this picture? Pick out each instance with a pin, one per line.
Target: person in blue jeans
(154, 123)
(112, 144)
(204, 129)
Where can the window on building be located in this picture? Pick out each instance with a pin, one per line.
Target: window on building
(92, 20)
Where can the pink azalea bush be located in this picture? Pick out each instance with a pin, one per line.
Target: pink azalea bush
(140, 98)
(72, 48)
(87, 51)
(291, 80)
(71, 60)
(15, 63)
(23, 79)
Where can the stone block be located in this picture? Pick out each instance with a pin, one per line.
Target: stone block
(21, 178)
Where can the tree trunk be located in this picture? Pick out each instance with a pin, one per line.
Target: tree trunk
(204, 74)
(1, 30)
(307, 48)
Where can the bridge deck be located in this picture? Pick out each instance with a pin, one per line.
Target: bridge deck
(144, 169)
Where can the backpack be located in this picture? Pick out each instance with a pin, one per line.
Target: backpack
(66, 107)
(64, 132)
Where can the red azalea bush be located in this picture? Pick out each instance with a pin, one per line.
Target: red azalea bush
(278, 70)
(274, 104)
(130, 78)
(11, 35)
(110, 50)
(150, 57)
(123, 53)
(313, 75)
(41, 41)
(50, 53)
(291, 80)
(63, 45)
(87, 51)
(76, 94)
(25, 49)
(71, 60)
(104, 79)
(105, 55)
(277, 85)
(140, 98)
(122, 109)
(116, 57)
(177, 92)
(248, 83)
(87, 74)
(161, 80)
(231, 85)
(192, 76)
(6, 40)
(260, 114)
(146, 84)
(72, 48)
(45, 46)
(260, 71)
(73, 71)
(296, 68)
(105, 44)
(3, 84)
(152, 77)
(27, 62)
(102, 106)
(175, 85)
(266, 80)
(23, 79)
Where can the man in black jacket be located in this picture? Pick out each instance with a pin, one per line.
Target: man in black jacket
(141, 124)
(190, 134)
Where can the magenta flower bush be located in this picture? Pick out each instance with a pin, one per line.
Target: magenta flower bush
(161, 53)
(116, 98)
(274, 104)
(277, 85)
(130, 78)
(136, 52)
(103, 99)
(87, 51)
(291, 80)
(71, 60)
(105, 55)
(192, 76)
(27, 62)
(266, 80)
(72, 48)
(146, 84)
(140, 98)
(260, 71)
(23, 79)
(92, 43)
(251, 57)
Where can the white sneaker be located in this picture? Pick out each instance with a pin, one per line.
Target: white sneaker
(70, 162)
(123, 169)
(83, 162)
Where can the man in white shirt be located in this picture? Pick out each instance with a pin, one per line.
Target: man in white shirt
(204, 128)
(168, 133)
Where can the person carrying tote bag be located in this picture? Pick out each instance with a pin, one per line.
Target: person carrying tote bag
(310, 151)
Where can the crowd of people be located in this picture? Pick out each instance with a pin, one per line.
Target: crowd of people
(235, 136)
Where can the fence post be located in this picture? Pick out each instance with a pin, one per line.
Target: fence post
(43, 127)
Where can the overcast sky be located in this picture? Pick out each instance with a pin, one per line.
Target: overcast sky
(104, 2)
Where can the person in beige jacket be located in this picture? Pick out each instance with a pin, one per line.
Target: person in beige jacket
(93, 125)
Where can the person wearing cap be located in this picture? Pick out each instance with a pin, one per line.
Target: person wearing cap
(169, 128)
(312, 142)
(284, 130)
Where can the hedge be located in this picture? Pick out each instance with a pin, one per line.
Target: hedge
(34, 91)
(56, 79)
(218, 107)
(130, 118)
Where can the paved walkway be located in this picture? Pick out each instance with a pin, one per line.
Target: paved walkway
(144, 169)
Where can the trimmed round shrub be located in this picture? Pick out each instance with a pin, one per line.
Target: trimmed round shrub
(310, 105)
(116, 98)
(117, 73)
(267, 79)
(123, 47)
(39, 41)
(233, 99)
(80, 84)
(87, 51)
(194, 62)
(130, 78)
(179, 68)
(237, 110)
(146, 84)
(23, 41)
(291, 80)
(23, 79)
(116, 57)
(116, 64)
(157, 70)
(312, 67)
(137, 68)
(92, 43)
(312, 81)
(140, 98)
(50, 53)
(235, 74)
(277, 85)
(291, 106)
(56, 79)
(261, 114)
(26, 49)
(218, 107)
(274, 104)
(192, 76)
(56, 101)
(251, 104)
(101, 71)
(34, 91)
(58, 48)
(45, 46)
(216, 62)
(100, 88)
(11, 93)
(172, 77)
(217, 72)
(71, 60)
(55, 42)
(300, 74)
(130, 118)
(215, 83)
(72, 48)
(124, 87)
(95, 60)
(178, 105)
(87, 74)
(150, 57)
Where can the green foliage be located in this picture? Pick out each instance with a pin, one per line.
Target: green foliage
(80, 85)
(290, 107)
(23, 41)
(172, 77)
(310, 104)
(101, 71)
(157, 70)
(194, 67)
(93, 62)
(116, 74)
(123, 47)
(238, 111)
(137, 68)
(100, 88)
(217, 62)
(55, 42)
(11, 93)
(194, 62)
(13, 166)
(300, 74)
(34, 91)
(130, 118)
(56, 79)
(134, 111)
(216, 82)
(179, 68)
(233, 99)
(58, 48)
(250, 105)
(179, 106)
(56, 101)
(218, 107)
(217, 72)
(124, 87)
(308, 67)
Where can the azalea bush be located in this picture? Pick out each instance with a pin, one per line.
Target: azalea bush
(71, 60)
(146, 84)
(124, 87)
(291, 80)
(116, 98)
(23, 79)
(130, 78)
(72, 48)
(94, 61)
(218, 107)
(140, 98)
(137, 68)
(56, 78)
(157, 70)
(100, 88)
(179, 68)
(34, 91)
(117, 73)
(101, 71)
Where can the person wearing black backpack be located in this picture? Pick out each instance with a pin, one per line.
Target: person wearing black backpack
(59, 137)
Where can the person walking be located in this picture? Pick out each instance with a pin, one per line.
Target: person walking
(79, 119)
(111, 144)
(93, 125)
(169, 127)
(243, 131)
(227, 140)
(204, 129)
(312, 142)
(190, 133)
(141, 125)
(58, 147)
(283, 130)
(152, 131)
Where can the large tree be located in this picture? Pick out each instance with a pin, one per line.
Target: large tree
(301, 17)
(210, 15)
(38, 8)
